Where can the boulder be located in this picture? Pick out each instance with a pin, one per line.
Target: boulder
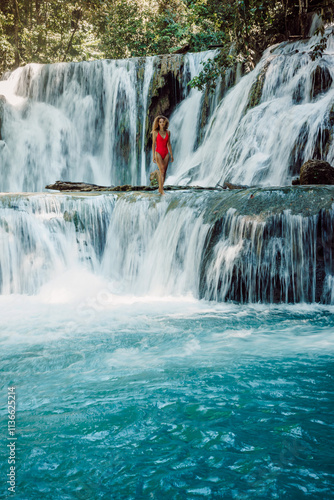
(316, 172)
(321, 81)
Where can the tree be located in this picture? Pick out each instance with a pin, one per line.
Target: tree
(247, 27)
(47, 31)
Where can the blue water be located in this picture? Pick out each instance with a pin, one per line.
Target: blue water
(174, 398)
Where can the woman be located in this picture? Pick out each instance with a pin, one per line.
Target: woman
(161, 148)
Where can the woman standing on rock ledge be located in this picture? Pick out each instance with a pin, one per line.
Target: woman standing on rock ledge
(161, 148)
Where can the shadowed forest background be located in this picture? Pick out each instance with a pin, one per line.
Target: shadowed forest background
(44, 31)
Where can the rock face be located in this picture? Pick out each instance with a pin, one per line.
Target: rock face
(316, 172)
(257, 87)
(166, 89)
(321, 81)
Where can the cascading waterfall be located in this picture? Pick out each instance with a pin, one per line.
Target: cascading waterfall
(171, 247)
(274, 119)
(87, 121)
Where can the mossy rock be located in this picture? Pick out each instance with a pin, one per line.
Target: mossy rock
(4, 224)
(255, 93)
(154, 178)
(165, 90)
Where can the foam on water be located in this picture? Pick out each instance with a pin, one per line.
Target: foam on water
(176, 391)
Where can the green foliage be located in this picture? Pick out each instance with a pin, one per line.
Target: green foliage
(247, 27)
(212, 69)
(243, 28)
(320, 47)
(131, 28)
(48, 31)
(7, 55)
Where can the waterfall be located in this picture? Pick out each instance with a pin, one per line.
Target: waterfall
(201, 243)
(91, 122)
(88, 121)
(274, 119)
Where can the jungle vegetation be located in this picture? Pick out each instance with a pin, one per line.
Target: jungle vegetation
(47, 31)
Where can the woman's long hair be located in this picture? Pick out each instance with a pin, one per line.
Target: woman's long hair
(155, 126)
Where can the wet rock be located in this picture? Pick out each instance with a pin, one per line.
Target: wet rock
(322, 141)
(321, 81)
(73, 217)
(182, 50)
(295, 181)
(299, 91)
(67, 186)
(255, 93)
(77, 186)
(125, 187)
(296, 158)
(316, 172)
(228, 185)
(204, 118)
(166, 90)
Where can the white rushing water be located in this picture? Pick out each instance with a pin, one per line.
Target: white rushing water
(266, 144)
(86, 121)
(145, 246)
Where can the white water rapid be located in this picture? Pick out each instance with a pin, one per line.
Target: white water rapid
(274, 119)
(193, 243)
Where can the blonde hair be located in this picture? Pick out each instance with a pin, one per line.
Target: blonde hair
(155, 126)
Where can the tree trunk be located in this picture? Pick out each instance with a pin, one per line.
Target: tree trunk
(285, 3)
(16, 33)
(76, 23)
(302, 11)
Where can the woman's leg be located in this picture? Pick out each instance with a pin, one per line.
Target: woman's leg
(162, 169)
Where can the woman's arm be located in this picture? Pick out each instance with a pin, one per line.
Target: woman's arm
(154, 145)
(169, 146)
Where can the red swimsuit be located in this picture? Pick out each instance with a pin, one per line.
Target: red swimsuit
(162, 145)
